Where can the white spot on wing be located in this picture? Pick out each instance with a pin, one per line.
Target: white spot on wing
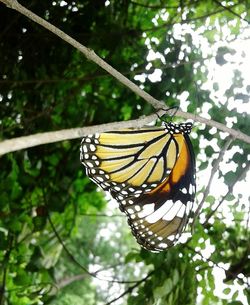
(190, 189)
(163, 245)
(181, 211)
(92, 147)
(171, 237)
(137, 208)
(130, 211)
(157, 215)
(176, 206)
(189, 207)
(147, 209)
(184, 190)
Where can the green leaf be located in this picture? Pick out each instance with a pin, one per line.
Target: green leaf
(175, 277)
(203, 165)
(230, 197)
(230, 177)
(235, 295)
(163, 290)
(22, 278)
(227, 290)
(132, 256)
(209, 151)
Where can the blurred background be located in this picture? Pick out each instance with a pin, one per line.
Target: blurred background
(54, 222)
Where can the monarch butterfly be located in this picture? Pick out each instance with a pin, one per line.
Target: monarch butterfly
(151, 173)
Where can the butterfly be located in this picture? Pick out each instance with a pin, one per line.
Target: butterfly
(151, 173)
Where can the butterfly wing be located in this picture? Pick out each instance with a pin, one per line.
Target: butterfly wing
(159, 217)
(150, 172)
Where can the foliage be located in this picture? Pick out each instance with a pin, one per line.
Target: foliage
(49, 224)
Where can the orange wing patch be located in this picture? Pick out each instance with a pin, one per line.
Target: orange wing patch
(180, 168)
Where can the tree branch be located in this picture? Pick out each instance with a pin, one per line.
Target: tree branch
(69, 134)
(52, 137)
(25, 142)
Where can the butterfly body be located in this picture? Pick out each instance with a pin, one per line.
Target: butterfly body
(151, 173)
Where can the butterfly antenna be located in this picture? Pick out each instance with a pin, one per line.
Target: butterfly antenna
(175, 108)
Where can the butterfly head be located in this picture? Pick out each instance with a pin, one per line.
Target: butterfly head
(173, 128)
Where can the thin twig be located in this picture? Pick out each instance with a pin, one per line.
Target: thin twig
(71, 256)
(213, 171)
(66, 249)
(69, 280)
(230, 190)
(153, 6)
(189, 20)
(131, 288)
(230, 11)
(208, 260)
